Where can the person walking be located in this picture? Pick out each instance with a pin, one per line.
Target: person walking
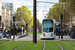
(7, 32)
(71, 33)
(58, 30)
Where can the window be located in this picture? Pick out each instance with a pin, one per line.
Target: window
(11, 6)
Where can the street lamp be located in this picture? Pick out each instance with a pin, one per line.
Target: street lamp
(14, 28)
(61, 26)
(64, 15)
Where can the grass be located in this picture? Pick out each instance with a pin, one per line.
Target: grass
(65, 46)
(51, 45)
(2, 41)
(32, 33)
(12, 46)
(72, 43)
(31, 46)
(6, 43)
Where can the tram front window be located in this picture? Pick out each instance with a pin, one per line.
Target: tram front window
(47, 26)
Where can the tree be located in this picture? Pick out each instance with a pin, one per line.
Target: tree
(57, 10)
(23, 14)
(54, 12)
(70, 8)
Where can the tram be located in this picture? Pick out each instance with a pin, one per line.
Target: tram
(48, 29)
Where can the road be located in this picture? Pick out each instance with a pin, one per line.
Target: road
(30, 38)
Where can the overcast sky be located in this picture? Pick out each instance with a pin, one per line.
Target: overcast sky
(19, 3)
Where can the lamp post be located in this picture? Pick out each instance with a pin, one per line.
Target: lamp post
(61, 26)
(64, 15)
(14, 28)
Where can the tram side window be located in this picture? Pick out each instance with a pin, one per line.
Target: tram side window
(50, 29)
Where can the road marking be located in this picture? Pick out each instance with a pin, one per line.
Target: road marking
(59, 45)
(8, 44)
(68, 45)
(21, 45)
(44, 45)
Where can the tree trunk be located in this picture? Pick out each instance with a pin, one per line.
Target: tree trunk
(26, 28)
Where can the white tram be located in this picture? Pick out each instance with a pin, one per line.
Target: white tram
(48, 29)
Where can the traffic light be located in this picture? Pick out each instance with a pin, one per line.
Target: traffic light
(61, 16)
(13, 18)
(11, 23)
(0, 18)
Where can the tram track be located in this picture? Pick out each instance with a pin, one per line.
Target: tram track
(59, 45)
(21, 45)
(44, 45)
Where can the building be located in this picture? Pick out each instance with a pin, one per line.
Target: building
(5, 18)
(0, 8)
(9, 6)
(0, 12)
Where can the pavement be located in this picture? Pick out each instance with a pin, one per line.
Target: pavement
(29, 37)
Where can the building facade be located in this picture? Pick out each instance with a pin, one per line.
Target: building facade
(5, 17)
(0, 8)
(0, 12)
(9, 6)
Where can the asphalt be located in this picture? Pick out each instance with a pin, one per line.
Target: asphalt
(30, 37)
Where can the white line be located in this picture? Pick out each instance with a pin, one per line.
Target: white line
(68, 45)
(21, 45)
(59, 45)
(44, 45)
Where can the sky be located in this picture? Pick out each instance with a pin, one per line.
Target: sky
(29, 3)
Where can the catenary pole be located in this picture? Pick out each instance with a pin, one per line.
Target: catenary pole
(34, 23)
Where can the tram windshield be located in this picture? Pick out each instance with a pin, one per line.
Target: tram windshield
(47, 25)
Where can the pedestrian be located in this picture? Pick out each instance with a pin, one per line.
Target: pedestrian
(3, 34)
(58, 30)
(7, 33)
(23, 31)
(67, 32)
(71, 33)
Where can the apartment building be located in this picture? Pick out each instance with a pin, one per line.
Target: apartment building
(5, 17)
(0, 8)
(9, 6)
